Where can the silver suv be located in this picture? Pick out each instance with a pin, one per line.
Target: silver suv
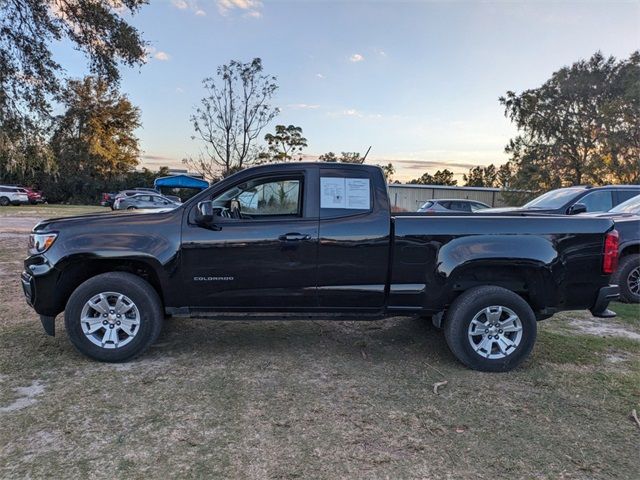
(13, 196)
(143, 200)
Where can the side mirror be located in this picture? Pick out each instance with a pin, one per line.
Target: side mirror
(204, 213)
(577, 208)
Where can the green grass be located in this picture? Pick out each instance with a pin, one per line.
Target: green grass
(581, 349)
(50, 211)
(628, 313)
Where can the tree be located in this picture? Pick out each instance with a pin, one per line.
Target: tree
(503, 177)
(30, 77)
(94, 140)
(388, 170)
(231, 117)
(481, 176)
(28, 70)
(285, 145)
(581, 126)
(345, 157)
(441, 177)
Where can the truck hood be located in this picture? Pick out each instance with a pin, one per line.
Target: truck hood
(500, 210)
(103, 218)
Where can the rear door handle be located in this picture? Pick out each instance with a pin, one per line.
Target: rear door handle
(294, 237)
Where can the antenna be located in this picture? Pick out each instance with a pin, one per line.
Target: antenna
(365, 155)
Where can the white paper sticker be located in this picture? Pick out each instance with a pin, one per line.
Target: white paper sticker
(332, 193)
(340, 192)
(358, 196)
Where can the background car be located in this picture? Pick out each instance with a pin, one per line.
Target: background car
(108, 198)
(626, 216)
(451, 205)
(35, 196)
(10, 195)
(574, 200)
(143, 200)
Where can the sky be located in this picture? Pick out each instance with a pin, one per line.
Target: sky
(417, 81)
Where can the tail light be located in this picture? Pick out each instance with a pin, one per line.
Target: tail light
(610, 259)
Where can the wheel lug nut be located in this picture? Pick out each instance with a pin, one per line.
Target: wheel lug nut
(104, 322)
(110, 326)
(486, 330)
(104, 314)
(118, 322)
(499, 331)
(118, 315)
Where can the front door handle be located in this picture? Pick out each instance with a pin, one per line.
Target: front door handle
(294, 237)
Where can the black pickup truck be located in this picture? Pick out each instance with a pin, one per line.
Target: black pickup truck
(278, 241)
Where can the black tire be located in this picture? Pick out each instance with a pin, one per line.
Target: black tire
(139, 291)
(463, 310)
(624, 277)
(4, 201)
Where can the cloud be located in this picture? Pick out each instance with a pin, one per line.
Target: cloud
(422, 165)
(179, 90)
(353, 113)
(356, 57)
(380, 52)
(251, 8)
(180, 4)
(201, 13)
(162, 56)
(302, 106)
(319, 75)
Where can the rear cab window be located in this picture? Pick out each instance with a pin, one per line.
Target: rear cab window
(345, 192)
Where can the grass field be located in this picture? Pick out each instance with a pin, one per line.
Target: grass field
(49, 211)
(325, 400)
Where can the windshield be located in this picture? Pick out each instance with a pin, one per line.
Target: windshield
(553, 199)
(630, 206)
(425, 206)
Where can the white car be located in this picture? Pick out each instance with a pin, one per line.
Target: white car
(12, 195)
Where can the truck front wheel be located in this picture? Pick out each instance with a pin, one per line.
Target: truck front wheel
(490, 328)
(113, 317)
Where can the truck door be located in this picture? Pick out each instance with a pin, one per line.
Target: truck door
(353, 256)
(263, 254)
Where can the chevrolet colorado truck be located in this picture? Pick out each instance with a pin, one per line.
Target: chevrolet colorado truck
(310, 240)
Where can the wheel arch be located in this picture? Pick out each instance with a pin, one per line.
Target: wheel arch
(629, 248)
(530, 280)
(78, 270)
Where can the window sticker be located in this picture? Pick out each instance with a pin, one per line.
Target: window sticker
(348, 193)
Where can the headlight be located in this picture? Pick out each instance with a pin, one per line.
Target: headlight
(40, 242)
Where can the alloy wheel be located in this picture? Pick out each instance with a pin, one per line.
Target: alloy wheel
(495, 332)
(110, 320)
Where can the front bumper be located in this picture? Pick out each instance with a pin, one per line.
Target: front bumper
(29, 289)
(605, 295)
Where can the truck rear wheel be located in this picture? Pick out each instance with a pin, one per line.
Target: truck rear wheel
(628, 277)
(490, 329)
(113, 317)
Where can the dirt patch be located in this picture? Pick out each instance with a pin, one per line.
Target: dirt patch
(10, 225)
(26, 397)
(603, 329)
